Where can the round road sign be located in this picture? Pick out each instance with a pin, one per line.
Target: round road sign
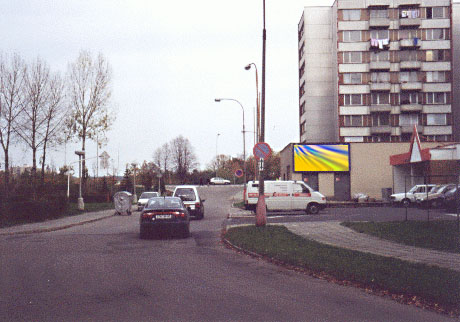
(239, 173)
(262, 151)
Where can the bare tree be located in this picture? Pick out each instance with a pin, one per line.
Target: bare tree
(43, 112)
(89, 93)
(162, 157)
(12, 72)
(183, 157)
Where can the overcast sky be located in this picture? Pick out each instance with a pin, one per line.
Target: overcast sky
(170, 60)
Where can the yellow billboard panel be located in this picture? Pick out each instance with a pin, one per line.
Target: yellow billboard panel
(321, 157)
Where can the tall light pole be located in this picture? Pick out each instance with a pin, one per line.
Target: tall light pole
(244, 134)
(80, 203)
(261, 210)
(248, 67)
(217, 155)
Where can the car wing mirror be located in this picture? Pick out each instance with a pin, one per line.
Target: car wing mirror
(203, 200)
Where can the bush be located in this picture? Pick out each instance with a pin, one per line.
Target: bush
(21, 209)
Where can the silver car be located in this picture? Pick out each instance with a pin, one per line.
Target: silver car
(144, 198)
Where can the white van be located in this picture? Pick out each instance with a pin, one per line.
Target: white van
(285, 195)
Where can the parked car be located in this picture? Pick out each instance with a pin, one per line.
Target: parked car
(410, 196)
(145, 196)
(435, 196)
(218, 180)
(164, 215)
(191, 199)
(452, 200)
(285, 195)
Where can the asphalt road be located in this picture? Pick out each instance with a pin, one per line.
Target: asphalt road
(103, 272)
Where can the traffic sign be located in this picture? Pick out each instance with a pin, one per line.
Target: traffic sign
(239, 173)
(262, 151)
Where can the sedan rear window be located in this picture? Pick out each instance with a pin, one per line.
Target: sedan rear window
(186, 194)
(162, 203)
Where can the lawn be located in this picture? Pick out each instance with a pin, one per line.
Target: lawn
(89, 207)
(438, 235)
(437, 286)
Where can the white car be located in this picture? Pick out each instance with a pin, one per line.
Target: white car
(218, 180)
(144, 198)
(407, 198)
(191, 199)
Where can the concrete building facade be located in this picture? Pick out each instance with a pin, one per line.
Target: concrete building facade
(369, 70)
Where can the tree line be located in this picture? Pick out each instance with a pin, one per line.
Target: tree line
(42, 109)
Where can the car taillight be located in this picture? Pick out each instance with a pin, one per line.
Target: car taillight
(179, 214)
(197, 205)
(148, 215)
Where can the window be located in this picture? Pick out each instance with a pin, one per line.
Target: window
(408, 55)
(351, 36)
(302, 128)
(302, 89)
(353, 120)
(382, 77)
(302, 70)
(436, 98)
(353, 99)
(408, 98)
(407, 33)
(435, 55)
(302, 109)
(435, 13)
(352, 57)
(301, 51)
(436, 34)
(436, 119)
(436, 77)
(353, 14)
(380, 34)
(353, 139)
(381, 138)
(352, 78)
(380, 119)
(379, 13)
(380, 98)
(405, 77)
(408, 119)
(409, 13)
(380, 55)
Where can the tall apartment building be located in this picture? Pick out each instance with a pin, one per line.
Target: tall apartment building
(371, 69)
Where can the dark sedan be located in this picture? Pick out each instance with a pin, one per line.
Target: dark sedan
(165, 215)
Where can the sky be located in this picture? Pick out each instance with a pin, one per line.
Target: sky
(170, 60)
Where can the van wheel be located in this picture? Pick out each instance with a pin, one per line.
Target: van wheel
(313, 209)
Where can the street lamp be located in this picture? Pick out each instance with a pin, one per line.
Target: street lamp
(217, 155)
(248, 67)
(80, 203)
(244, 134)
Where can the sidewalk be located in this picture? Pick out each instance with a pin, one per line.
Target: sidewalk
(332, 233)
(57, 224)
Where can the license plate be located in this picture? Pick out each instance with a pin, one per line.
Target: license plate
(163, 216)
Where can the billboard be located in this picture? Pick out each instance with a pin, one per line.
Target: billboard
(321, 158)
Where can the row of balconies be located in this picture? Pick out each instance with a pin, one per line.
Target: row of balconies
(392, 24)
(395, 109)
(396, 130)
(396, 45)
(395, 88)
(395, 67)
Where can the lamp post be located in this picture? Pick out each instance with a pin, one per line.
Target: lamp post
(244, 134)
(248, 67)
(134, 182)
(217, 155)
(80, 203)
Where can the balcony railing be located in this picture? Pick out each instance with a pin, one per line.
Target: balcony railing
(379, 22)
(411, 107)
(380, 86)
(410, 43)
(379, 65)
(408, 64)
(382, 129)
(411, 86)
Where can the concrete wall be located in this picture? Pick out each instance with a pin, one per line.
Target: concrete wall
(455, 67)
(320, 114)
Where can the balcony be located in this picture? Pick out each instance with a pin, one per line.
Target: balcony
(380, 108)
(411, 86)
(410, 65)
(382, 129)
(410, 128)
(410, 43)
(382, 87)
(379, 22)
(379, 65)
(410, 22)
(411, 107)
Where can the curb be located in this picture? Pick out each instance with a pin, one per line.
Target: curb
(46, 230)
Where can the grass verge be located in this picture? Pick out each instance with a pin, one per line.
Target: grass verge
(438, 235)
(89, 207)
(434, 286)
